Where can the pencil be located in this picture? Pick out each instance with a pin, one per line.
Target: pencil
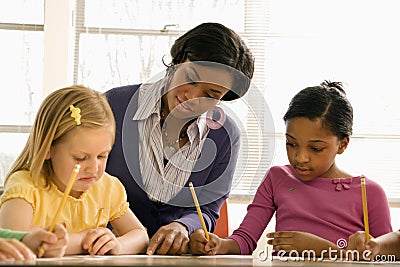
(62, 204)
(97, 225)
(196, 202)
(365, 208)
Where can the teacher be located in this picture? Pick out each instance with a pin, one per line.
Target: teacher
(172, 132)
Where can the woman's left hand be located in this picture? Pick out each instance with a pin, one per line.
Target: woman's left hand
(101, 241)
(170, 239)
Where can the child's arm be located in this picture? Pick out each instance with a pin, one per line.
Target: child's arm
(387, 244)
(54, 243)
(20, 220)
(200, 246)
(300, 241)
(132, 237)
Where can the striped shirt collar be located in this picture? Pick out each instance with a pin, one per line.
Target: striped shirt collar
(149, 99)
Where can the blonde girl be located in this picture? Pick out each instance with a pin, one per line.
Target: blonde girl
(74, 125)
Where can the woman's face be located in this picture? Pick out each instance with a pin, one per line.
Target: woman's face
(195, 89)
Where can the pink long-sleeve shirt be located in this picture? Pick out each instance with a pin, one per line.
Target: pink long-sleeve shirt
(329, 208)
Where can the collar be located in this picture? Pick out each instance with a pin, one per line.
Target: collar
(149, 100)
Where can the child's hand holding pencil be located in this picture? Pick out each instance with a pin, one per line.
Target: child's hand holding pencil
(200, 245)
(54, 244)
(99, 215)
(71, 181)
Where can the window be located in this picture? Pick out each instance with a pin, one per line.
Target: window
(133, 37)
(21, 72)
(350, 41)
(296, 44)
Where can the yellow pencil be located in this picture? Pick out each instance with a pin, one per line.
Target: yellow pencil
(365, 208)
(62, 204)
(196, 202)
(99, 214)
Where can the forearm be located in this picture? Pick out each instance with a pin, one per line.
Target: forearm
(134, 242)
(190, 220)
(74, 246)
(390, 244)
(228, 246)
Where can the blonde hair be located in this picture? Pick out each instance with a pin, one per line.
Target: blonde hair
(53, 121)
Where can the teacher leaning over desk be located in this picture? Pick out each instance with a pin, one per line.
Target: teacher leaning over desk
(171, 132)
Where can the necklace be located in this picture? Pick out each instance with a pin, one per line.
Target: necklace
(170, 146)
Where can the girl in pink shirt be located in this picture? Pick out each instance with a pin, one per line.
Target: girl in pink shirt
(317, 204)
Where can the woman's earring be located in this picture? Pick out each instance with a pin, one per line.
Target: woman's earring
(215, 118)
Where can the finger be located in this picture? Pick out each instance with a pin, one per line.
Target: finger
(3, 256)
(108, 242)
(24, 250)
(92, 236)
(360, 242)
(373, 246)
(200, 236)
(49, 238)
(97, 244)
(166, 244)
(155, 241)
(286, 248)
(280, 234)
(179, 246)
(196, 247)
(212, 244)
(280, 241)
(60, 231)
(9, 248)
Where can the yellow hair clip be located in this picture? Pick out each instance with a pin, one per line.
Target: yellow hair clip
(76, 114)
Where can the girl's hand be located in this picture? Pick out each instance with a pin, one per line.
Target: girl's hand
(199, 245)
(15, 249)
(298, 241)
(101, 241)
(357, 241)
(54, 244)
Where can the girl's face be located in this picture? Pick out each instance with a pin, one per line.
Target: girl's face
(311, 149)
(86, 146)
(195, 89)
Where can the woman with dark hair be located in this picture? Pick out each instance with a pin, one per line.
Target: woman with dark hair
(171, 132)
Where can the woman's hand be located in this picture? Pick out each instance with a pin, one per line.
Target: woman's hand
(171, 239)
(101, 241)
(199, 245)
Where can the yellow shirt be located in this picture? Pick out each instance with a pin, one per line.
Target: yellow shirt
(79, 213)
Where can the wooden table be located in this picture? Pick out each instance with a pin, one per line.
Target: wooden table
(187, 261)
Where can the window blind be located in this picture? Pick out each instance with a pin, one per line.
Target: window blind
(124, 42)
